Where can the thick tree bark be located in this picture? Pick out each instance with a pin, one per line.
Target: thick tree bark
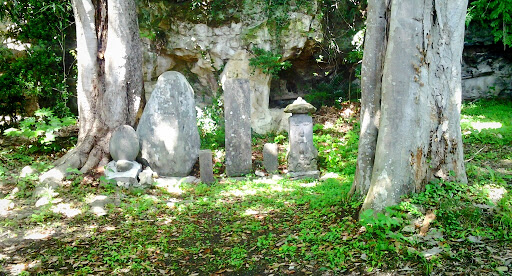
(109, 77)
(418, 130)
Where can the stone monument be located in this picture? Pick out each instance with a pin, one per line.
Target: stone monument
(302, 156)
(206, 166)
(124, 148)
(237, 114)
(168, 127)
(270, 162)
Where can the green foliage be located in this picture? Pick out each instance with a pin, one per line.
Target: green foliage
(342, 20)
(330, 93)
(279, 226)
(494, 13)
(42, 127)
(454, 203)
(277, 13)
(43, 68)
(337, 152)
(268, 62)
(210, 121)
(503, 217)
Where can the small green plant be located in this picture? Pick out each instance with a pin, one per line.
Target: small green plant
(269, 62)
(42, 127)
(504, 215)
(44, 215)
(280, 139)
(237, 256)
(210, 121)
(25, 187)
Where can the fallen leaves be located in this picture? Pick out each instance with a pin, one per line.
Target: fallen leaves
(429, 217)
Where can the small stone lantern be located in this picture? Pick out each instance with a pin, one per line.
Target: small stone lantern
(302, 156)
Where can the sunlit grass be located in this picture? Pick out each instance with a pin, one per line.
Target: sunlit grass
(279, 226)
(487, 121)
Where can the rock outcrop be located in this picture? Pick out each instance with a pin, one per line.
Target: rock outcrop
(200, 51)
(486, 72)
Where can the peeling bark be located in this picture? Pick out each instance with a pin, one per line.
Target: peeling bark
(109, 77)
(418, 132)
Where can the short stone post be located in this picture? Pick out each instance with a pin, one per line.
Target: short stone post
(206, 166)
(302, 157)
(270, 162)
(237, 114)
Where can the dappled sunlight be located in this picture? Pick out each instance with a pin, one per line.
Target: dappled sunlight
(328, 125)
(173, 185)
(17, 269)
(245, 191)
(16, 45)
(97, 203)
(66, 210)
(5, 206)
(39, 233)
(485, 125)
(495, 193)
(265, 186)
(51, 175)
(257, 214)
(309, 184)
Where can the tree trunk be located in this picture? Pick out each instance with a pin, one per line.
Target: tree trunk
(371, 76)
(110, 80)
(418, 131)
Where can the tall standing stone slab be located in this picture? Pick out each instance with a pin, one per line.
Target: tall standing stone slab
(302, 157)
(237, 113)
(167, 129)
(206, 166)
(270, 162)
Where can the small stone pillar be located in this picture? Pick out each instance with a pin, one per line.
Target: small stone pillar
(237, 115)
(206, 166)
(270, 158)
(302, 156)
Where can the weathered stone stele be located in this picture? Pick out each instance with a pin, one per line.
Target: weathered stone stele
(263, 119)
(237, 114)
(167, 129)
(206, 166)
(302, 157)
(124, 144)
(270, 162)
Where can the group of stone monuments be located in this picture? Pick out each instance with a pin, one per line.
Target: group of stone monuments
(167, 141)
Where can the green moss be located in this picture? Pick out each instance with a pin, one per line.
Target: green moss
(213, 12)
(156, 16)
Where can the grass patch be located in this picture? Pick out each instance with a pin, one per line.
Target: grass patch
(280, 227)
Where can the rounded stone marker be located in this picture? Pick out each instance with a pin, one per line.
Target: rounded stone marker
(124, 144)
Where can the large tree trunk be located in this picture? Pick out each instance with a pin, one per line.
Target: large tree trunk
(417, 129)
(109, 77)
